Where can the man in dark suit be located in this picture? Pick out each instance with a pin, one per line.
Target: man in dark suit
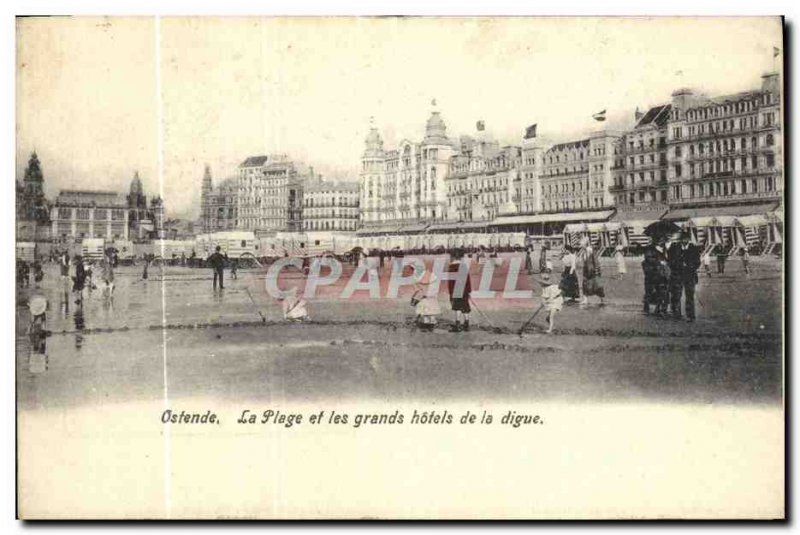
(684, 261)
(656, 276)
(217, 263)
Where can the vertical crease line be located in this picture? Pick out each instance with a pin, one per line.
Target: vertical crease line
(160, 149)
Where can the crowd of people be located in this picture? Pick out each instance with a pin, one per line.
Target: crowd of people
(670, 276)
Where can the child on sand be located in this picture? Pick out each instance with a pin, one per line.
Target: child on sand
(294, 308)
(427, 308)
(553, 300)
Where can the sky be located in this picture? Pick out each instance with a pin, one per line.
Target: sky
(97, 97)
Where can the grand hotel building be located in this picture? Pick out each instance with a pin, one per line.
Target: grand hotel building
(691, 154)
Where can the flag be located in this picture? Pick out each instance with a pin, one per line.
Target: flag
(480, 126)
(599, 116)
(775, 51)
(433, 102)
(530, 132)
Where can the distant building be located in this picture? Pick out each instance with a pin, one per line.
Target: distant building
(704, 152)
(406, 185)
(145, 219)
(269, 194)
(641, 164)
(331, 206)
(483, 180)
(218, 206)
(78, 214)
(531, 171)
(726, 150)
(577, 175)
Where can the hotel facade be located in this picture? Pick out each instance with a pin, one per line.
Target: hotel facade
(692, 153)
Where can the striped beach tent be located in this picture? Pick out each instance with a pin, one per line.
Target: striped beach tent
(726, 226)
(751, 230)
(593, 230)
(633, 235)
(573, 234)
(704, 231)
(610, 235)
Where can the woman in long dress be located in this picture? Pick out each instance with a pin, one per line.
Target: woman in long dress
(569, 277)
(619, 256)
(590, 271)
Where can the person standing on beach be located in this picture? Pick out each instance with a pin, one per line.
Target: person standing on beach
(619, 256)
(459, 303)
(217, 262)
(79, 280)
(684, 260)
(543, 257)
(746, 261)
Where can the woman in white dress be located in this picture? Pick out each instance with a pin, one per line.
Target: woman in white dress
(619, 256)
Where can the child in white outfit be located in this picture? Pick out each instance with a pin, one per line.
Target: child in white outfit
(553, 300)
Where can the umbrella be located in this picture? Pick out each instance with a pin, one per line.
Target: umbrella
(661, 228)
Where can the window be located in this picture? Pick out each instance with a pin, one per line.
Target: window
(770, 140)
(770, 160)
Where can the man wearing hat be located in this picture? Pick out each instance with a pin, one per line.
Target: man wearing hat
(217, 263)
(684, 261)
(656, 276)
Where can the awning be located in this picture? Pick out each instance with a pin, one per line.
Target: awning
(706, 221)
(639, 215)
(459, 225)
(376, 231)
(725, 221)
(740, 210)
(638, 225)
(414, 228)
(575, 227)
(602, 215)
(755, 220)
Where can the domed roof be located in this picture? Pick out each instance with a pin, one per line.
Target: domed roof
(435, 129)
(374, 139)
(374, 144)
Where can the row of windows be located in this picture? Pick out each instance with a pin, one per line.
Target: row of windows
(736, 108)
(725, 165)
(319, 212)
(572, 204)
(100, 214)
(330, 225)
(340, 201)
(729, 125)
